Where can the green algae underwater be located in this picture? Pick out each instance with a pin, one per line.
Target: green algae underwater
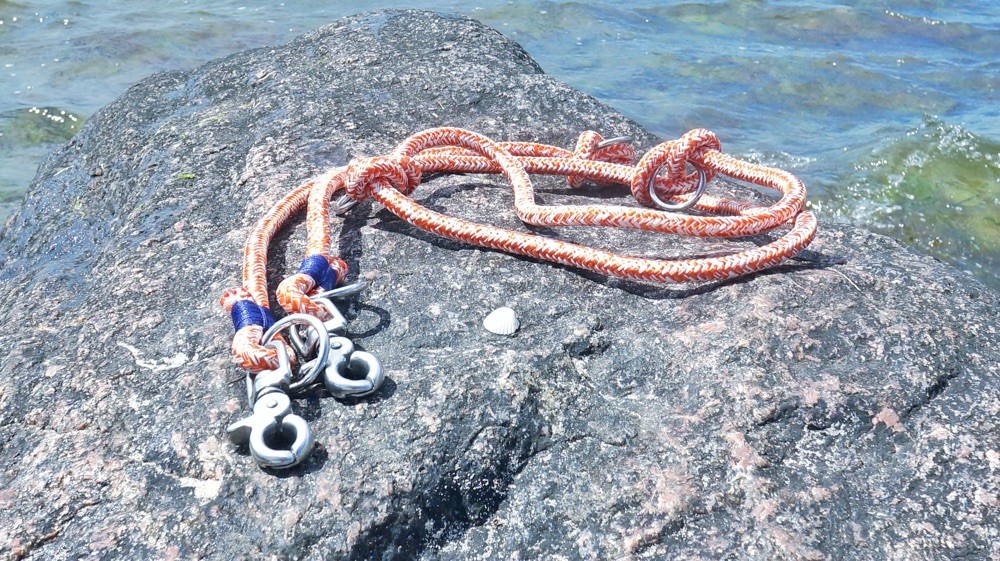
(887, 111)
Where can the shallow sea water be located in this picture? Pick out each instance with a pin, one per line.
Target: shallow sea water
(889, 111)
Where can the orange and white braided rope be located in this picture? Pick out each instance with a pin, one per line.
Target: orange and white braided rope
(391, 179)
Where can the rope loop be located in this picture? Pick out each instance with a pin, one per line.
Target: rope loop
(365, 176)
(318, 273)
(248, 353)
(672, 157)
(662, 172)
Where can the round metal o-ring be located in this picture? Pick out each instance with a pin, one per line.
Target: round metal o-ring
(702, 183)
(305, 378)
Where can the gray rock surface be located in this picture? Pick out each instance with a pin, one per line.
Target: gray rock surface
(844, 406)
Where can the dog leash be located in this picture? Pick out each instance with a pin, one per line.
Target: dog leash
(315, 347)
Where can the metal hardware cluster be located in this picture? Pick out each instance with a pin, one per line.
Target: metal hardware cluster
(277, 437)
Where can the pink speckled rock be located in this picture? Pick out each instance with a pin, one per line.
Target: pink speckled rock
(844, 406)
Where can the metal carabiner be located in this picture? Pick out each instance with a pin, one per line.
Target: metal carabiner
(271, 424)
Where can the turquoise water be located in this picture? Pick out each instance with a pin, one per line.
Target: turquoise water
(887, 110)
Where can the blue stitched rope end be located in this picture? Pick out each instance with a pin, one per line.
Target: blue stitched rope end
(317, 267)
(248, 312)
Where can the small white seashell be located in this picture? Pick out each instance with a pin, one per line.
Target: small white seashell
(502, 321)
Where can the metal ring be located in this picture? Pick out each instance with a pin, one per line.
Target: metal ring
(616, 140)
(323, 354)
(702, 183)
(344, 204)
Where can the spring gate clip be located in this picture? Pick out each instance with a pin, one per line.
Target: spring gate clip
(348, 372)
(276, 437)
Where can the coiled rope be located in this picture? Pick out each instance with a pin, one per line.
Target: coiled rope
(661, 175)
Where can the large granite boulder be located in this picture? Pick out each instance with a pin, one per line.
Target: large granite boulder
(844, 406)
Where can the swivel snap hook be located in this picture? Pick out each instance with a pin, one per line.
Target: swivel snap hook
(365, 370)
(277, 438)
(271, 424)
(272, 420)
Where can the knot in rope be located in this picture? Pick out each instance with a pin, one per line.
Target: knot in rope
(672, 157)
(588, 147)
(365, 176)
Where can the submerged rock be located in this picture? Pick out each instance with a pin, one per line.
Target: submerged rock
(844, 406)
